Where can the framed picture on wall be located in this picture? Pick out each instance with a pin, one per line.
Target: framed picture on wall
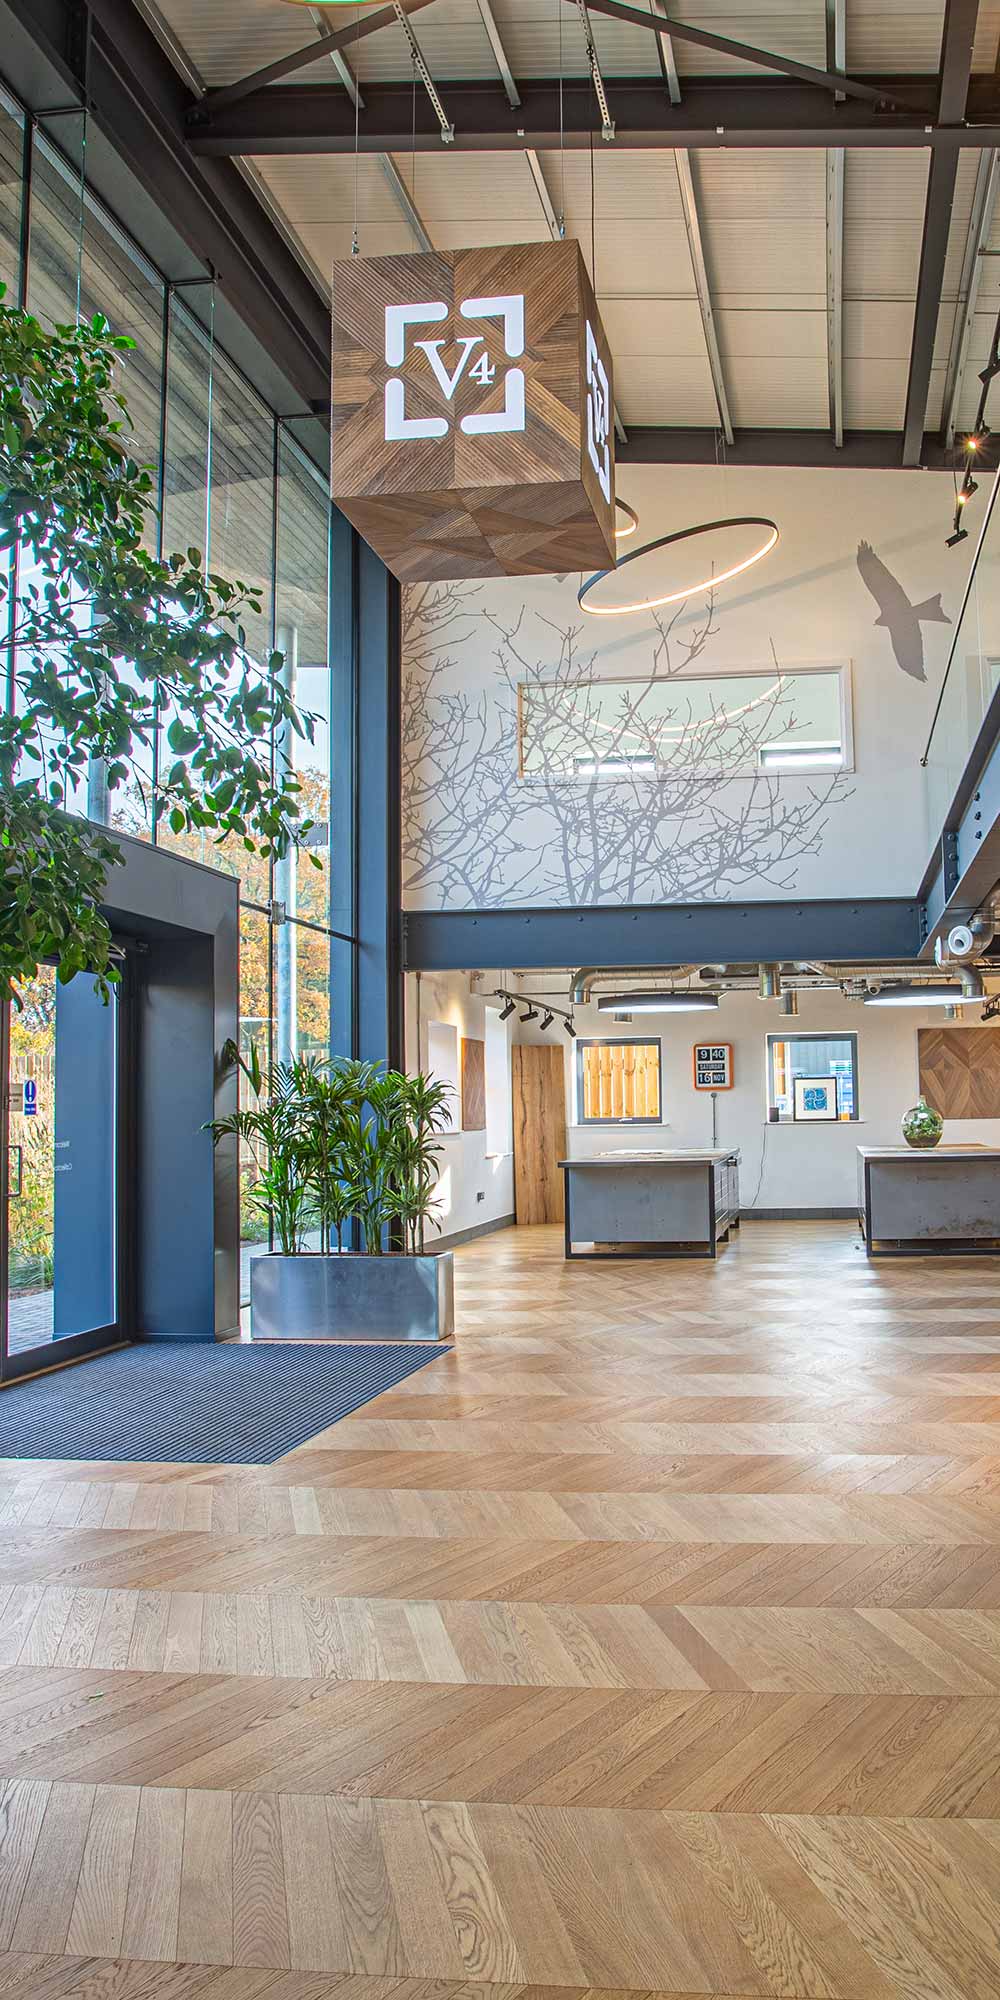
(816, 1099)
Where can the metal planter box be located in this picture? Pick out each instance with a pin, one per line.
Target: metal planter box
(316, 1297)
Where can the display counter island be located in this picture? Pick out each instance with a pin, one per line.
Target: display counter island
(651, 1204)
(939, 1202)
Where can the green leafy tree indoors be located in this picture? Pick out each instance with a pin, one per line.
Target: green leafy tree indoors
(107, 638)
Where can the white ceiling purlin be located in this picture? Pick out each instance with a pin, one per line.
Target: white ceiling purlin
(668, 62)
(555, 223)
(836, 59)
(689, 202)
(835, 288)
(338, 59)
(499, 53)
(406, 202)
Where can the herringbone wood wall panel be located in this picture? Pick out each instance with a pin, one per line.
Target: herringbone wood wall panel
(960, 1071)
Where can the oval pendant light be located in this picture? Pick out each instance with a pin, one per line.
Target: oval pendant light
(699, 585)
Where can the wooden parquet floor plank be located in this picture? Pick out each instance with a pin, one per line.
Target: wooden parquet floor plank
(505, 1898)
(648, 1644)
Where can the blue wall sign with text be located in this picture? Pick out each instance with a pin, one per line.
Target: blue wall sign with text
(29, 1098)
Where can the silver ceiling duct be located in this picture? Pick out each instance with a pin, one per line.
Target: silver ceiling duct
(773, 981)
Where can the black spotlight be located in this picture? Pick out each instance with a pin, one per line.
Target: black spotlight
(570, 1030)
(531, 1013)
(507, 1009)
(547, 1019)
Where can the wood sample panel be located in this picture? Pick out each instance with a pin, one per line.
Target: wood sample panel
(960, 1071)
(539, 1131)
(473, 1085)
(472, 404)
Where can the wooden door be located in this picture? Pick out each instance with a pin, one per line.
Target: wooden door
(539, 1131)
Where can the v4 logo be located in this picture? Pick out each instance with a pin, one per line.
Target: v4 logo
(509, 307)
(479, 372)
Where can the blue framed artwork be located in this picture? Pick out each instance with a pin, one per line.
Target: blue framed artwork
(816, 1098)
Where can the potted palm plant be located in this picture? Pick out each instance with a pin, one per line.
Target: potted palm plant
(345, 1152)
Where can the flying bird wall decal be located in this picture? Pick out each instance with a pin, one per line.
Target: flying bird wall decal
(901, 618)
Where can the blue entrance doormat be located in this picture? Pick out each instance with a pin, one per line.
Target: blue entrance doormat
(225, 1405)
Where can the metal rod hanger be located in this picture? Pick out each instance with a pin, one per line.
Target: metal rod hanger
(607, 122)
(447, 128)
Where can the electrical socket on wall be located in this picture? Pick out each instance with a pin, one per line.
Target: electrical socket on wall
(481, 1195)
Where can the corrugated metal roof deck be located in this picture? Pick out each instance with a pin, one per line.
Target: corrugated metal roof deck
(763, 214)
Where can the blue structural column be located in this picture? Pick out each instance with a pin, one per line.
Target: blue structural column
(84, 1121)
(366, 977)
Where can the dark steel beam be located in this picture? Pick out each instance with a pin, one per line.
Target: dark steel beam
(340, 39)
(668, 934)
(984, 203)
(861, 451)
(714, 112)
(957, 39)
(834, 80)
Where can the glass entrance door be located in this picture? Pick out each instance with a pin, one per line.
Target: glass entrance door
(60, 1249)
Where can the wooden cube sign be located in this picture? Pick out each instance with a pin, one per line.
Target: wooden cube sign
(473, 425)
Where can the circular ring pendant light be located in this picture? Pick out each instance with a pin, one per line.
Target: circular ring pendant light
(631, 520)
(700, 586)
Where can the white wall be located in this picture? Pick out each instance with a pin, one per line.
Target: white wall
(467, 1170)
(477, 836)
(805, 1165)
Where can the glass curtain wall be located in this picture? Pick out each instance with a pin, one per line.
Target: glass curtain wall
(236, 484)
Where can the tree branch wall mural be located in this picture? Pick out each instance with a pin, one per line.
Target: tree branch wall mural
(540, 780)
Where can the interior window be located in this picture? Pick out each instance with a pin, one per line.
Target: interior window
(618, 1083)
(739, 724)
(813, 1077)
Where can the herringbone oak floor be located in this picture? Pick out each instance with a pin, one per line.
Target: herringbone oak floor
(648, 1644)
